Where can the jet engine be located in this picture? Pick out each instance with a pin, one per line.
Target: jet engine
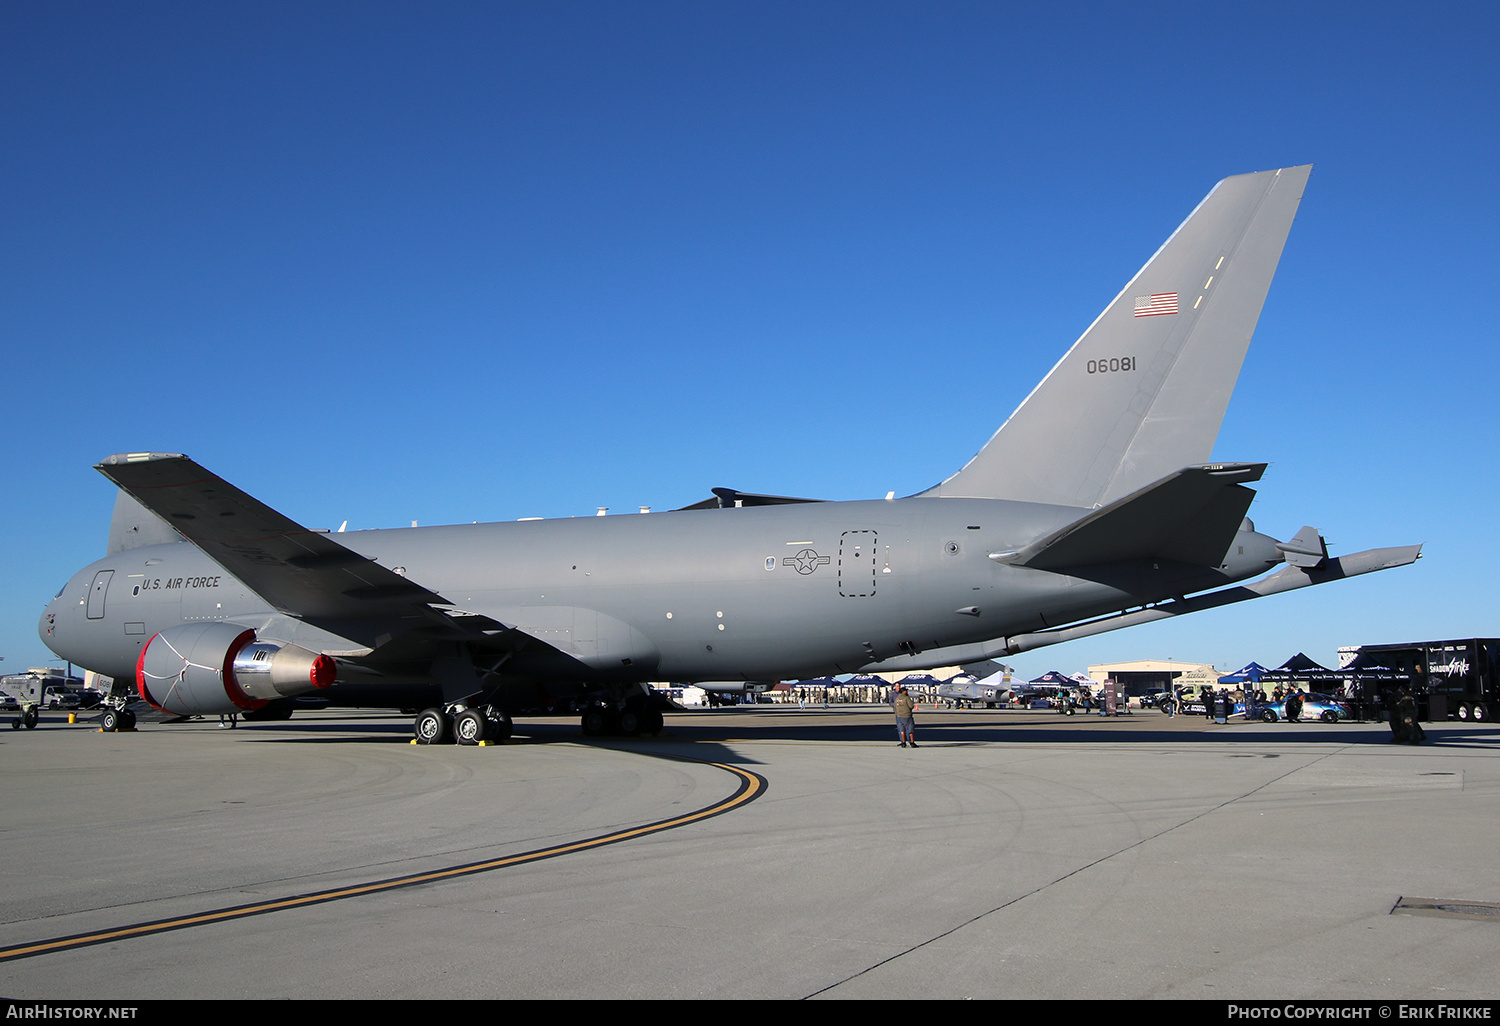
(206, 669)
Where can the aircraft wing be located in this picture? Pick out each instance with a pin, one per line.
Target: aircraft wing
(301, 573)
(310, 578)
(1190, 517)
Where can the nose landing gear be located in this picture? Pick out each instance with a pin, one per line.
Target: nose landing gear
(116, 719)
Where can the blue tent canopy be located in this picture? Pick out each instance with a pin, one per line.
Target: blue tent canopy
(1251, 672)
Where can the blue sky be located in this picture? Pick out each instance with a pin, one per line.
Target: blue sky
(444, 262)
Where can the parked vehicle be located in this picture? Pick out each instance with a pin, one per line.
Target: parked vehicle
(41, 688)
(1314, 707)
(1457, 679)
(57, 697)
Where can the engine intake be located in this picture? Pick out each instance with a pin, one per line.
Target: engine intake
(206, 669)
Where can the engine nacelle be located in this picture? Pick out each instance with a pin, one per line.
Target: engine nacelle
(207, 669)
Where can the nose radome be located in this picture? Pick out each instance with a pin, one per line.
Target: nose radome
(46, 627)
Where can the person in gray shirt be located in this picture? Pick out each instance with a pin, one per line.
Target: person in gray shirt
(905, 708)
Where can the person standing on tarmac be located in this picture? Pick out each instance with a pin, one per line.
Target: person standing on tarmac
(905, 709)
(1405, 727)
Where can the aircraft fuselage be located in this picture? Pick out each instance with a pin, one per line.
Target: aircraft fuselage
(756, 593)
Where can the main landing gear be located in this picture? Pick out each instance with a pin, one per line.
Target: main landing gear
(601, 720)
(472, 725)
(465, 725)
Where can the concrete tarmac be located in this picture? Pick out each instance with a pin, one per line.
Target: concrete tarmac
(1013, 855)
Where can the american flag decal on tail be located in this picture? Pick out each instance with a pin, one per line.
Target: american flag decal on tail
(1156, 305)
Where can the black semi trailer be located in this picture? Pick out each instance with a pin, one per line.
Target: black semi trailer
(1457, 679)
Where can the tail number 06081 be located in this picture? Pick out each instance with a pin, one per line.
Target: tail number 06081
(1112, 365)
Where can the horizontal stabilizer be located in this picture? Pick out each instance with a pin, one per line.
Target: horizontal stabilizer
(1306, 549)
(299, 572)
(1189, 517)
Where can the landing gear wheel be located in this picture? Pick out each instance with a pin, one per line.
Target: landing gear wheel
(431, 727)
(652, 722)
(110, 721)
(594, 722)
(127, 719)
(470, 727)
(500, 727)
(630, 723)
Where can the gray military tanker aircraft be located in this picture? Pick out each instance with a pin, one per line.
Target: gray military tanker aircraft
(212, 603)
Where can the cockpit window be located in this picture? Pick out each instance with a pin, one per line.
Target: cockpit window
(61, 590)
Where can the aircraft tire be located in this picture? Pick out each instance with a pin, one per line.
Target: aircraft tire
(630, 723)
(652, 722)
(471, 727)
(110, 721)
(127, 719)
(501, 726)
(431, 727)
(594, 722)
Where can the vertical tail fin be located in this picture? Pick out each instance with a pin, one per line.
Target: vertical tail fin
(1143, 392)
(133, 525)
